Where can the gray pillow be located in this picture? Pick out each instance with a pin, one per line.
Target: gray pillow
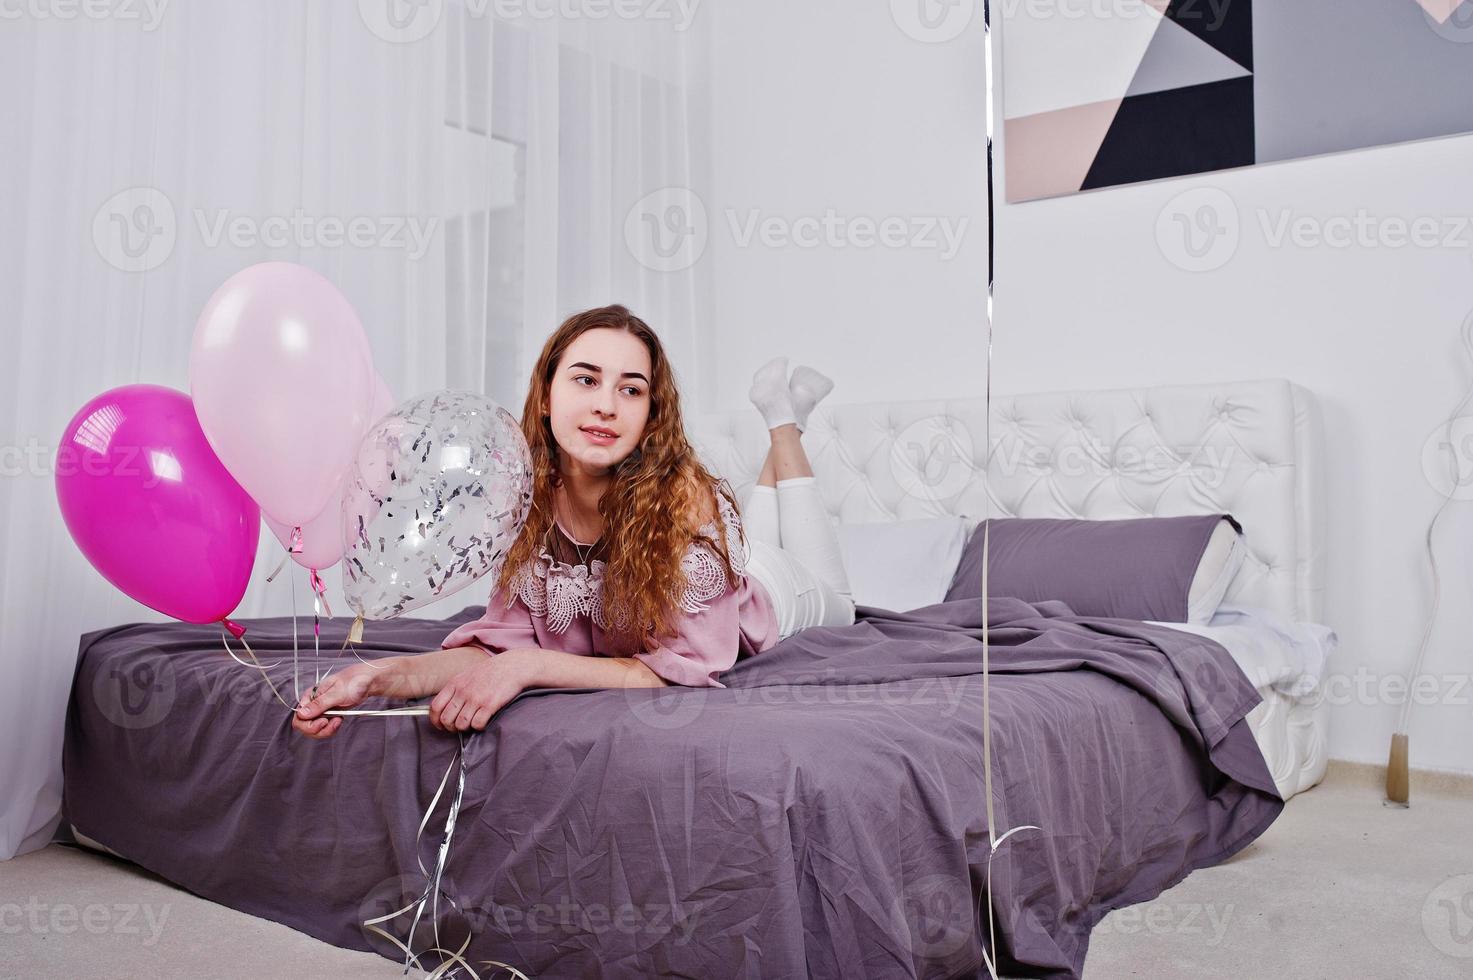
(1140, 568)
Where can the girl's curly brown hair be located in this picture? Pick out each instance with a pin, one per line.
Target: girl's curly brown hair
(648, 508)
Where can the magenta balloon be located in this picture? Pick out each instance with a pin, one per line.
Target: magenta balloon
(322, 536)
(282, 378)
(152, 507)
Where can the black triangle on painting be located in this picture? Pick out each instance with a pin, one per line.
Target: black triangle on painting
(1181, 131)
(1227, 25)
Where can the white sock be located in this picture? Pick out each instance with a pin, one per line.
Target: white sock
(769, 392)
(808, 387)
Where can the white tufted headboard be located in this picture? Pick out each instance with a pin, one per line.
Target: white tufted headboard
(1249, 448)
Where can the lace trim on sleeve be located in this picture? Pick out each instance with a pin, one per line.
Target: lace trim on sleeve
(705, 575)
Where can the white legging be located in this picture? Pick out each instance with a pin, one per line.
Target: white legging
(795, 555)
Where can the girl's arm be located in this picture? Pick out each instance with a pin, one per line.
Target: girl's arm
(554, 668)
(422, 674)
(470, 698)
(412, 676)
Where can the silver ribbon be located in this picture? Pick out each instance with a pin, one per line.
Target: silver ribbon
(994, 840)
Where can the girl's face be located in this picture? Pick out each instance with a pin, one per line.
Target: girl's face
(599, 399)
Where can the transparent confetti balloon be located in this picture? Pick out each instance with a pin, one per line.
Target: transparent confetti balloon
(437, 495)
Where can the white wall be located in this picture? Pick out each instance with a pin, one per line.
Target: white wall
(824, 105)
(829, 104)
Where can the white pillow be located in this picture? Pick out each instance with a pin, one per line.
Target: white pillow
(1221, 560)
(900, 565)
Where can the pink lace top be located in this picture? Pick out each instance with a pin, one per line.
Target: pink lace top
(557, 605)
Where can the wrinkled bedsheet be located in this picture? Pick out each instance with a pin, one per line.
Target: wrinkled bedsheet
(822, 816)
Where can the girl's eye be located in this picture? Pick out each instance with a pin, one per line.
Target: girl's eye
(581, 377)
(633, 391)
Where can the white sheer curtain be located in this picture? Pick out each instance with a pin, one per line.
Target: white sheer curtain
(489, 165)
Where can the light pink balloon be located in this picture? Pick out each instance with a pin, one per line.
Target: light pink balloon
(322, 536)
(282, 379)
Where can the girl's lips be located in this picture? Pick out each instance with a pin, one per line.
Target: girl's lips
(598, 437)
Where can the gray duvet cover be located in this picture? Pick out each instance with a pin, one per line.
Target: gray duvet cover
(822, 816)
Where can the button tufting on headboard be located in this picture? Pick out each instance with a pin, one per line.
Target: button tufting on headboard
(1250, 448)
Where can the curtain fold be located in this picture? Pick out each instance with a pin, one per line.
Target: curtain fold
(489, 164)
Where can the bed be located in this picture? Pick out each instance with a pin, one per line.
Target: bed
(1249, 448)
(821, 816)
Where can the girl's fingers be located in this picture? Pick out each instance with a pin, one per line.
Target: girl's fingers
(465, 716)
(317, 699)
(483, 715)
(440, 713)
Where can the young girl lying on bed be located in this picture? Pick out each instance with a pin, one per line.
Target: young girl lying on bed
(630, 570)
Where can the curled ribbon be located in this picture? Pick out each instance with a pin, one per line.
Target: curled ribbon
(319, 587)
(453, 960)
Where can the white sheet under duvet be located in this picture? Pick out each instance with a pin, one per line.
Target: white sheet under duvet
(1286, 663)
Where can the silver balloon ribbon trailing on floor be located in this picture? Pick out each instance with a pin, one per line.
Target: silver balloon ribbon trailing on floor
(989, 951)
(453, 960)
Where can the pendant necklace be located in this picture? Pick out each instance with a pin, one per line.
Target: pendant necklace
(582, 555)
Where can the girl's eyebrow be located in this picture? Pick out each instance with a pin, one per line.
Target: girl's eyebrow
(595, 367)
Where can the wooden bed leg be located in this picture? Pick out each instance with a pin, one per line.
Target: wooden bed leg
(1398, 779)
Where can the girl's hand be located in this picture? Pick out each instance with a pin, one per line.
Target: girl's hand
(471, 697)
(346, 689)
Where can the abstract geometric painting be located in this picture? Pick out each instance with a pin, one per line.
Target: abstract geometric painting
(1099, 93)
